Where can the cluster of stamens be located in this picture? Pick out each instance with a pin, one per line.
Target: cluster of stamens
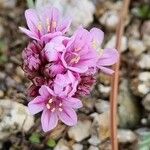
(50, 105)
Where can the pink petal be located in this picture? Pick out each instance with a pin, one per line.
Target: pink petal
(64, 27)
(68, 116)
(47, 37)
(80, 69)
(109, 57)
(72, 102)
(32, 19)
(97, 36)
(106, 70)
(45, 91)
(51, 52)
(49, 120)
(29, 33)
(36, 105)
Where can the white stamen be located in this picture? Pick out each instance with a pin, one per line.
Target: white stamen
(60, 109)
(60, 104)
(53, 109)
(75, 59)
(39, 26)
(54, 24)
(48, 106)
(50, 101)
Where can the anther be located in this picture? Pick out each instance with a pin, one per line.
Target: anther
(50, 101)
(53, 109)
(54, 24)
(48, 106)
(75, 59)
(60, 109)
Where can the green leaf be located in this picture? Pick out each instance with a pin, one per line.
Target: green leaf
(51, 143)
(143, 11)
(35, 138)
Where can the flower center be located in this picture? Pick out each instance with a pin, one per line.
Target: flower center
(53, 106)
(75, 59)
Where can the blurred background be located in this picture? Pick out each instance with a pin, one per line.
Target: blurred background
(21, 131)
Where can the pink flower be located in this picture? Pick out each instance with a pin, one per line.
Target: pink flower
(54, 108)
(31, 58)
(44, 24)
(79, 54)
(107, 58)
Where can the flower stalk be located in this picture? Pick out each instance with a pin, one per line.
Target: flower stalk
(115, 77)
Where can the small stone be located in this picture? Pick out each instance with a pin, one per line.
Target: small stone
(101, 125)
(110, 19)
(112, 42)
(1, 94)
(137, 47)
(146, 102)
(145, 30)
(8, 3)
(104, 79)
(126, 136)
(77, 146)
(104, 90)
(1, 31)
(57, 132)
(62, 145)
(93, 148)
(105, 145)
(142, 84)
(94, 140)
(20, 72)
(102, 106)
(80, 131)
(82, 12)
(14, 117)
(88, 104)
(129, 111)
(144, 61)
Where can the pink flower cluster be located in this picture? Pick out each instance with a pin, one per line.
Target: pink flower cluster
(61, 68)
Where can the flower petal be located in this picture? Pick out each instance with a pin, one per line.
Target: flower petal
(72, 102)
(106, 70)
(68, 116)
(36, 105)
(97, 36)
(49, 120)
(32, 19)
(29, 33)
(45, 91)
(108, 58)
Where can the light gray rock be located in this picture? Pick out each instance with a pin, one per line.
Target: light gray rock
(101, 126)
(94, 140)
(110, 19)
(81, 12)
(93, 148)
(14, 117)
(129, 112)
(62, 145)
(145, 30)
(143, 86)
(126, 136)
(8, 3)
(102, 106)
(81, 131)
(144, 61)
(112, 42)
(77, 146)
(146, 102)
(104, 90)
(136, 46)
